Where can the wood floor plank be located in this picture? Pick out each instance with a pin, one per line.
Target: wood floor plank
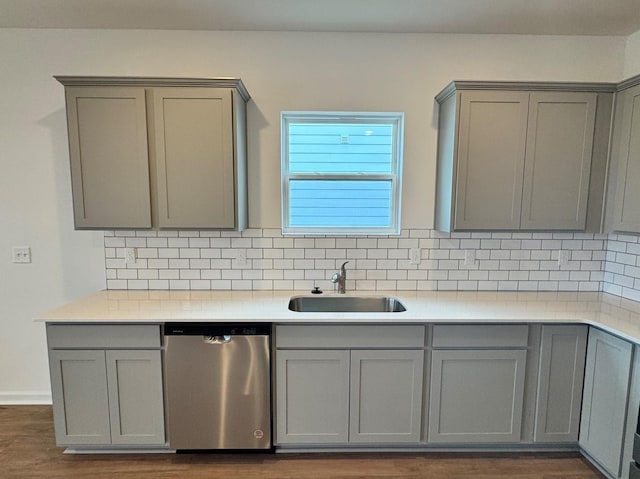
(28, 450)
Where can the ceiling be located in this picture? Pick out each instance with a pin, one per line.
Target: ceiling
(537, 17)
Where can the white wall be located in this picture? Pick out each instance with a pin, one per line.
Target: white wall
(282, 71)
(632, 56)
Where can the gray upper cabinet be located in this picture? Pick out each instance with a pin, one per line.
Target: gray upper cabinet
(521, 156)
(604, 400)
(558, 160)
(625, 160)
(109, 157)
(488, 119)
(155, 152)
(559, 393)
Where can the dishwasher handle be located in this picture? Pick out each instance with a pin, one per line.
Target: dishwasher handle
(224, 339)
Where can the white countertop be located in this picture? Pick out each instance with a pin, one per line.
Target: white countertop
(608, 312)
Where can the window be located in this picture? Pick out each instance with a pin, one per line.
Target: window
(341, 172)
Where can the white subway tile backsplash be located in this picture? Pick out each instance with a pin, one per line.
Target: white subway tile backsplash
(263, 259)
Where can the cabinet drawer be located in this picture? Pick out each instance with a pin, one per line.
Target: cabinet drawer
(103, 336)
(360, 336)
(634, 471)
(480, 336)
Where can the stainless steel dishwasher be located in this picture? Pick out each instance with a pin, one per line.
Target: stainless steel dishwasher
(218, 386)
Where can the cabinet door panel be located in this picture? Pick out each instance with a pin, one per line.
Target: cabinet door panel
(476, 395)
(193, 157)
(80, 401)
(562, 359)
(558, 160)
(312, 396)
(135, 397)
(626, 152)
(109, 157)
(386, 396)
(604, 401)
(491, 150)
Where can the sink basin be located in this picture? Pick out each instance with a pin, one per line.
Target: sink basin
(346, 304)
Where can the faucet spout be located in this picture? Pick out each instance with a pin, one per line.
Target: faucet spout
(340, 278)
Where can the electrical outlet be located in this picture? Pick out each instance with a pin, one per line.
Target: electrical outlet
(415, 255)
(563, 258)
(469, 257)
(129, 255)
(241, 257)
(21, 254)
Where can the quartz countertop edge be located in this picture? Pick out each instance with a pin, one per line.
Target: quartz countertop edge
(611, 313)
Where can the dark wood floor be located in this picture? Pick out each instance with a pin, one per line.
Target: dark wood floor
(27, 450)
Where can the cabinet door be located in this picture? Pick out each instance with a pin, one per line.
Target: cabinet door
(604, 400)
(80, 399)
(109, 157)
(476, 396)
(558, 160)
(193, 157)
(386, 396)
(625, 152)
(491, 149)
(312, 396)
(135, 397)
(562, 358)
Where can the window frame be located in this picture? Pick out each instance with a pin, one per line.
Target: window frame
(396, 119)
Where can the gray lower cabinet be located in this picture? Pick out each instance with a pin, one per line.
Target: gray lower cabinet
(105, 391)
(349, 384)
(342, 396)
(560, 380)
(476, 396)
(80, 397)
(312, 396)
(107, 397)
(604, 403)
(386, 396)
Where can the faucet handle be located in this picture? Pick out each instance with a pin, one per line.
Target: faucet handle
(335, 277)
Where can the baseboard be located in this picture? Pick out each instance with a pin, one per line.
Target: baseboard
(24, 398)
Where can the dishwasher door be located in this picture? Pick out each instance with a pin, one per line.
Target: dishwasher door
(218, 386)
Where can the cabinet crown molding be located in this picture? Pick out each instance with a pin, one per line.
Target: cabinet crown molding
(457, 85)
(219, 82)
(629, 83)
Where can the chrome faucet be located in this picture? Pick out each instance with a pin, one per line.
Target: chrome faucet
(340, 278)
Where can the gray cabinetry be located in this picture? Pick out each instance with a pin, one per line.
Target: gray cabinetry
(560, 380)
(109, 157)
(477, 383)
(386, 396)
(361, 388)
(106, 392)
(80, 397)
(165, 153)
(557, 162)
(312, 396)
(625, 160)
(604, 403)
(518, 156)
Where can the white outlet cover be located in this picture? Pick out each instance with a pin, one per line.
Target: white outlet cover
(21, 254)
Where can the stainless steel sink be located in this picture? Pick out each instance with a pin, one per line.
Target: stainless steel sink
(346, 304)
